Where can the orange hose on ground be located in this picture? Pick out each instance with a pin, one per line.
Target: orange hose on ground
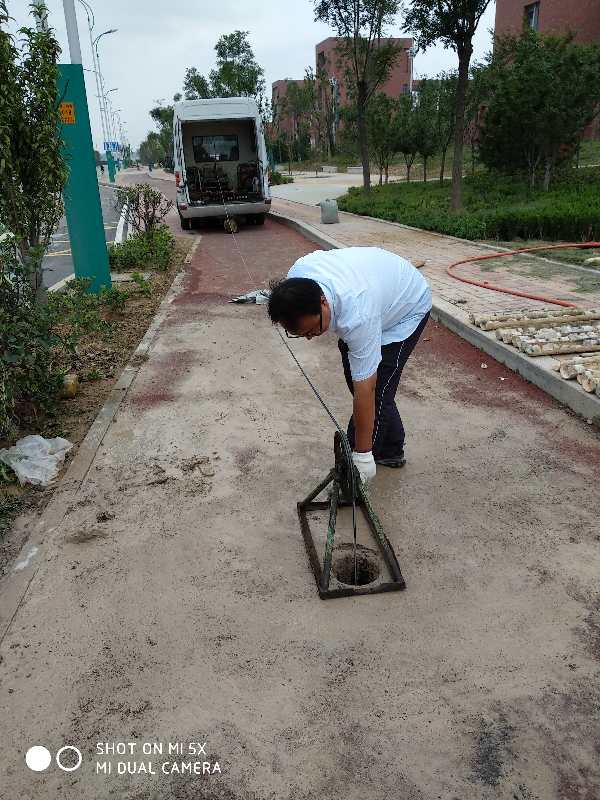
(494, 288)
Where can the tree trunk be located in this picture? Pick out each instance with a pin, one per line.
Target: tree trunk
(443, 165)
(424, 169)
(387, 168)
(380, 175)
(408, 168)
(547, 174)
(363, 142)
(464, 59)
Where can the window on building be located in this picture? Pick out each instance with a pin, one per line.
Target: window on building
(405, 88)
(532, 16)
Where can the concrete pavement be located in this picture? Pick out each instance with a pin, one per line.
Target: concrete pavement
(171, 601)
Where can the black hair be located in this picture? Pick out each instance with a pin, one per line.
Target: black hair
(292, 299)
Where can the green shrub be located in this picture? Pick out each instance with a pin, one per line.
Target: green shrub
(495, 207)
(277, 178)
(114, 298)
(146, 207)
(152, 250)
(130, 254)
(29, 375)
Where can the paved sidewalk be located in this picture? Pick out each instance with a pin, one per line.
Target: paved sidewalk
(452, 299)
(168, 596)
(439, 252)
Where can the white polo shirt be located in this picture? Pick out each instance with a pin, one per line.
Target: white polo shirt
(375, 297)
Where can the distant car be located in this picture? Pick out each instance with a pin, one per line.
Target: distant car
(220, 160)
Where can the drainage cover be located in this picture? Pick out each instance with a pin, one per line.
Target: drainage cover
(367, 567)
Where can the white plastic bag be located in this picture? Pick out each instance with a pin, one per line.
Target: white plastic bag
(36, 460)
(259, 296)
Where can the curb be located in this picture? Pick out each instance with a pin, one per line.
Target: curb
(537, 371)
(14, 585)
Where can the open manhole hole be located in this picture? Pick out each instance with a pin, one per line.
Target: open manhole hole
(367, 566)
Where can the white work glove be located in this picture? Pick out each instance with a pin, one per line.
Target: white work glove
(365, 464)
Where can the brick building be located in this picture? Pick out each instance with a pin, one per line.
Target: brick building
(279, 90)
(580, 17)
(399, 82)
(326, 59)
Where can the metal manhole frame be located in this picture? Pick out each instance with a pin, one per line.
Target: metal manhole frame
(338, 498)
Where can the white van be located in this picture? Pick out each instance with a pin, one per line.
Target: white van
(221, 167)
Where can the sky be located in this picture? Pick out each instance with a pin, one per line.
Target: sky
(155, 42)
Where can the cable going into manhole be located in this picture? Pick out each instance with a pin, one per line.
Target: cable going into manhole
(346, 445)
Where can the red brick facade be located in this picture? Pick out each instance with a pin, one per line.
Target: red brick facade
(326, 58)
(398, 83)
(580, 17)
(278, 92)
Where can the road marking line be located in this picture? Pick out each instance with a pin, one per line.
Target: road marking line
(59, 285)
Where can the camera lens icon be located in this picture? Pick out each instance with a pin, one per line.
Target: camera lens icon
(39, 758)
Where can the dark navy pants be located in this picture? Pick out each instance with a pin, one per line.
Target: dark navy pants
(388, 430)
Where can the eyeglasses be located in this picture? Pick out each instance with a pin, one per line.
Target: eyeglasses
(308, 333)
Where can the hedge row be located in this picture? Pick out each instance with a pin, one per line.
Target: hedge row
(494, 208)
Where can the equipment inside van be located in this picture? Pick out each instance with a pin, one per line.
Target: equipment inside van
(221, 167)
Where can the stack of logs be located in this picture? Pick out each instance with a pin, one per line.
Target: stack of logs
(585, 368)
(542, 332)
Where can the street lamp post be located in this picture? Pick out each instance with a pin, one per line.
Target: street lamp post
(91, 22)
(109, 158)
(81, 194)
(110, 112)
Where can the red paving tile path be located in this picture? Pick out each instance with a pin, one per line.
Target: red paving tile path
(225, 265)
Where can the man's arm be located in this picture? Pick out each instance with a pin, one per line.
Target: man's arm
(363, 411)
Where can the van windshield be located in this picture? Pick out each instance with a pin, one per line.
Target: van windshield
(215, 148)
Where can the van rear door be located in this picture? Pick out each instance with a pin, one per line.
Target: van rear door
(183, 198)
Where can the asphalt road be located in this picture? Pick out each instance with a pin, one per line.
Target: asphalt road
(58, 263)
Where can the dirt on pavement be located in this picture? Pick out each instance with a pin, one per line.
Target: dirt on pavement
(176, 603)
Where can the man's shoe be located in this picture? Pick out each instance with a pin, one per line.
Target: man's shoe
(394, 463)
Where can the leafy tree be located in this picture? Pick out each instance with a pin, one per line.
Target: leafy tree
(237, 73)
(453, 22)
(542, 92)
(327, 92)
(361, 24)
(29, 378)
(151, 149)
(32, 169)
(477, 94)
(195, 85)
(446, 102)
(163, 118)
(407, 141)
(426, 128)
(381, 122)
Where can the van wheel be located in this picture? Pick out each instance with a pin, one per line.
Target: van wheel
(259, 219)
(186, 223)
(230, 225)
